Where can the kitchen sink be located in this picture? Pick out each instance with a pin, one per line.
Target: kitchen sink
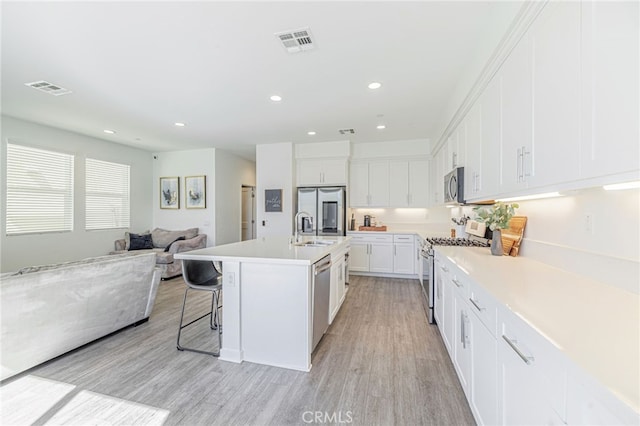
(315, 243)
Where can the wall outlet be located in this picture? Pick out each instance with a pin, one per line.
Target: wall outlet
(229, 279)
(589, 225)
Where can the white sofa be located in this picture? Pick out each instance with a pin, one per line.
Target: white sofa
(49, 310)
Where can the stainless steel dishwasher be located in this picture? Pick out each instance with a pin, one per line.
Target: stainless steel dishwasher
(321, 296)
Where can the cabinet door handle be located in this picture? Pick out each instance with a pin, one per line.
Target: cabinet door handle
(463, 329)
(525, 170)
(519, 165)
(478, 307)
(513, 343)
(395, 250)
(456, 282)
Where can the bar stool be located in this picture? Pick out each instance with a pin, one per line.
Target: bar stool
(203, 276)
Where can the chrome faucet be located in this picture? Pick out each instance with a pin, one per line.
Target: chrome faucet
(297, 233)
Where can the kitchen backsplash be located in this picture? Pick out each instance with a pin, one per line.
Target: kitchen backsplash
(590, 232)
(399, 219)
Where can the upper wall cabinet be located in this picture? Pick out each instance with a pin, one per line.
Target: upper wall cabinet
(516, 147)
(369, 184)
(321, 171)
(555, 51)
(563, 110)
(610, 88)
(409, 183)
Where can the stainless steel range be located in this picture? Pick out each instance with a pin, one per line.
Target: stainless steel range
(427, 253)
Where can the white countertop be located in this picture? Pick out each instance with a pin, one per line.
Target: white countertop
(597, 326)
(275, 249)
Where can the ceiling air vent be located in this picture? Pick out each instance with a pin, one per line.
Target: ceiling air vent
(296, 40)
(347, 131)
(45, 86)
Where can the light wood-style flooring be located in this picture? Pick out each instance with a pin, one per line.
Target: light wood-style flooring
(380, 363)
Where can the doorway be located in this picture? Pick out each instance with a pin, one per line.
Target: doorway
(248, 219)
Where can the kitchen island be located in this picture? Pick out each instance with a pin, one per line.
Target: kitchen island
(268, 292)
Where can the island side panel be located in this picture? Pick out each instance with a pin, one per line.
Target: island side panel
(275, 315)
(231, 337)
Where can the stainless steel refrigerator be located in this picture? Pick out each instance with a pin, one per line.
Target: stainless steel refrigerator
(327, 207)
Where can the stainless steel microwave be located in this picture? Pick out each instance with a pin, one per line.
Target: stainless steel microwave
(454, 186)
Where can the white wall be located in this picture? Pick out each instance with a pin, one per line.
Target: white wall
(274, 170)
(195, 162)
(24, 250)
(503, 14)
(231, 173)
(556, 234)
(403, 148)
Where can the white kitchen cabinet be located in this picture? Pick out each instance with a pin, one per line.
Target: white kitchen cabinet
(369, 184)
(473, 162)
(462, 341)
(409, 183)
(531, 378)
(399, 182)
(403, 254)
(371, 253)
(516, 148)
(484, 375)
(610, 88)
(587, 406)
(445, 300)
(419, 183)
(359, 256)
(487, 181)
(456, 148)
(381, 257)
(555, 50)
(438, 172)
(337, 293)
(321, 171)
(359, 184)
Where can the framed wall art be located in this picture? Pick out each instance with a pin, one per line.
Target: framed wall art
(195, 192)
(170, 193)
(273, 200)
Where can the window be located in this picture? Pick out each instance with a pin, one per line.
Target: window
(107, 195)
(39, 190)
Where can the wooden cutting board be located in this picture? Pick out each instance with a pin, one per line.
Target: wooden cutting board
(512, 236)
(372, 228)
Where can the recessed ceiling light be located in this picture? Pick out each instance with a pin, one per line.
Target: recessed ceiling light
(111, 132)
(381, 126)
(375, 85)
(179, 124)
(311, 133)
(276, 98)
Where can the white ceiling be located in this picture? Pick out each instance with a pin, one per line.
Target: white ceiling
(138, 67)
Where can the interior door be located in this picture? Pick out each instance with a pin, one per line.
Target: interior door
(248, 213)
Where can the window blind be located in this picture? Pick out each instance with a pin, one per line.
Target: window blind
(39, 190)
(107, 195)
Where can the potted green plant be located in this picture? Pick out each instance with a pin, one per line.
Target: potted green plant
(496, 218)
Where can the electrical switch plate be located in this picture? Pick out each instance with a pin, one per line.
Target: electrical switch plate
(589, 223)
(230, 279)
